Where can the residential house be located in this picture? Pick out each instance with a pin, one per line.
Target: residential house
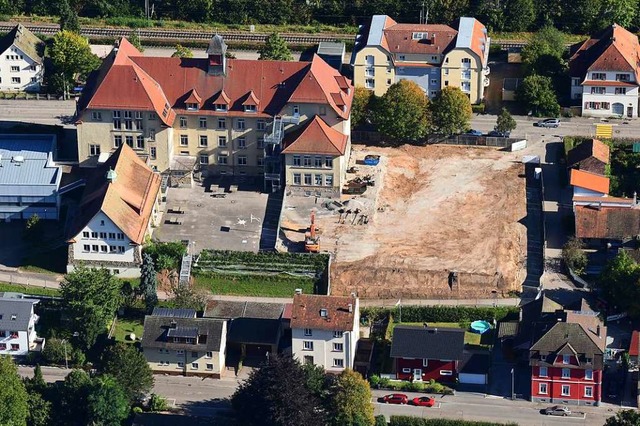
(425, 353)
(325, 330)
(332, 53)
(590, 156)
(17, 325)
(254, 328)
(604, 73)
(21, 60)
(599, 226)
(174, 341)
(29, 177)
(216, 116)
(432, 55)
(118, 210)
(587, 184)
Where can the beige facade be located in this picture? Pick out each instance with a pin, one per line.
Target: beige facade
(373, 68)
(185, 362)
(462, 68)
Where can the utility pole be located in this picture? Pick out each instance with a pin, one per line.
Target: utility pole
(513, 393)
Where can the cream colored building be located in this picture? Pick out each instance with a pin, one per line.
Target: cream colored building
(174, 341)
(432, 55)
(217, 116)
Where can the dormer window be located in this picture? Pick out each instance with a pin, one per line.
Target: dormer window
(192, 107)
(418, 36)
(250, 108)
(566, 359)
(220, 107)
(543, 357)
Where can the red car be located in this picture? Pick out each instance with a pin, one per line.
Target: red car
(395, 398)
(424, 401)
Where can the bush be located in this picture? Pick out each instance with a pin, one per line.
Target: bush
(479, 108)
(380, 421)
(374, 380)
(574, 256)
(54, 353)
(418, 421)
(443, 313)
(157, 403)
(165, 255)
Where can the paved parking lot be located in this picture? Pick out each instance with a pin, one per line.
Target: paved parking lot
(230, 223)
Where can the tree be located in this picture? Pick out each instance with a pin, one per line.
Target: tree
(91, 298)
(186, 297)
(537, 93)
(73, 392)
(134, 39)
(361, 106)
(450, 111)
(36, 383)
(620, 284)
(166, 255)
(276, 395)
(130, 369)
(68, 17)
(39, 410)
(351, 400)
(33, 229)
(402, 114)
(520, 15)
(107, 402)
(71, 57)
(157, 403)
(574, 256)
(275, 49)
(622, 12)
(624, 418)
(585, 16)
(543, 53)
(182, 52)
(505, 122)
(62, 352)
(148, 282)
(13, 395)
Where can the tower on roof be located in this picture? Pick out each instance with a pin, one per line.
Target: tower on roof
(217, 55)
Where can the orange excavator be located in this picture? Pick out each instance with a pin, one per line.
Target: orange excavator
(311, 238)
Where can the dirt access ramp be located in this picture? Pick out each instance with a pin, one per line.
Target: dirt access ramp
(444, 222)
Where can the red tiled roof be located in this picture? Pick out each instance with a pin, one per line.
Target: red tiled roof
(400, 40)
(614, 223)
(589, 181)
(193, 98)
(307, 312)
(222, 98)
(128, 201)
(591, 148)
(251, 99)
(315, 137)
(634, 346)
(128, 79)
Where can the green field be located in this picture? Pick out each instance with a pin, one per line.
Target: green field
(253, 285)
(471, 340)
(31, 290)
(126, 326)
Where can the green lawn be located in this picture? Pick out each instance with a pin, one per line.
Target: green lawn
(30, 290)
(471, 340)
(253, 285)
(126, 326)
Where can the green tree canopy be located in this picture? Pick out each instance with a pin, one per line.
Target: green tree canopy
(351, 400)
(182, 52)
(574, 256)
(505, 122)
(543, 54)
(71, 407)
(402, 114)
(519, 15)
(450, 111)
(107, 403)
(39, 410)
(361, 106)
(130, 369)
(537, 94)
(276, 395)
(275, 49)
(165, 255)
(134, 39)
(148, 282)
(624, 418)
(620, 284)
(71, 57)
(622, 12)
(14, 405)
(91, 298)
(68, 17)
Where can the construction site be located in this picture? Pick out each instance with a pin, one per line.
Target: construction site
(424, 222)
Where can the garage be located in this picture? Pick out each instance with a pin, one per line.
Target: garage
(474, 368)
(618, 108)
(473, 379)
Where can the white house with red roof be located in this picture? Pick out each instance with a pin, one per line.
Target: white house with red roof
(605, 74)
(216, 115)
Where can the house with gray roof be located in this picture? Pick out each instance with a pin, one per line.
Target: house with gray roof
(17, 325)
(173, 342)
(21, 60)
(29, 177)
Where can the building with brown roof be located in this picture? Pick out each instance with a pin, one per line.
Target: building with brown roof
(325, 330)
(587, 184)
(216, 115)
(605, 73)
(607, 224)
(590, 156)
(432, 55)
(117, 211)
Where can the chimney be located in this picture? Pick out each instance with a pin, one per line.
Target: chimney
(216, 52)
(298, 291)
(598, 330)
(350, 308)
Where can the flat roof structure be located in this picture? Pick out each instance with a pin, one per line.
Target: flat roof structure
(29, 177)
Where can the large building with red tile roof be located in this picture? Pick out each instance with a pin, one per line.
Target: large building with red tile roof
(215, 115)
(605, 73)
(432, 55)
(119, 205)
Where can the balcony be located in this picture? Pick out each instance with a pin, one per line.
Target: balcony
(486, 82)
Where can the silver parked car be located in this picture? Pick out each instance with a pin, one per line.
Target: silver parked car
(549, 122)
(558, 410)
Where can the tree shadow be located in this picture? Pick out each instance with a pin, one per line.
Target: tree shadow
(218, 408)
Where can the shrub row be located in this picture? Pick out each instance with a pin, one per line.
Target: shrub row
(431, 386)
(317, 262)
(418, 421)
(441, 313)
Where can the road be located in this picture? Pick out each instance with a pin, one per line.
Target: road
(52, 112)
(480, 408)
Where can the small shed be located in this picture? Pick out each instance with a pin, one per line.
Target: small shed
(509, 88)
(332, 53)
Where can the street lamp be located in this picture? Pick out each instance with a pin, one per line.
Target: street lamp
(513, 393)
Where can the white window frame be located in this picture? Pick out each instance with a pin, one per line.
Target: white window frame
(568, 392)
(338, 362)
(566, 373)
(544, 372)
(588, 391)
(543, 388)
(338, 347)
(338, 334)
(446, 372)
(307, 345)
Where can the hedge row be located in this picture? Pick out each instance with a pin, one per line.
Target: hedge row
(418, 421)
(285, 261)
(441, 313)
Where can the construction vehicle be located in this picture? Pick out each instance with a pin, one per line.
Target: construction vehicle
(311, 238)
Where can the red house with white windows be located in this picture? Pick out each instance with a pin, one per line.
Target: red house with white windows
(567, 360)
(425, 353)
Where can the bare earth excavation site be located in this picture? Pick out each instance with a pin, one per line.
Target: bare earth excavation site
(440, 222)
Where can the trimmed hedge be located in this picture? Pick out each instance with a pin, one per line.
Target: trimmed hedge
(442, 313)
(418, 421)
(380, 421)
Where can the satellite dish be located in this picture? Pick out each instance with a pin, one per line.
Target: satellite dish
(132, 337)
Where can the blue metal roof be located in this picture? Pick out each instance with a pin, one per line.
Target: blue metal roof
(376, 30)
(465, 32)
(26, 165)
